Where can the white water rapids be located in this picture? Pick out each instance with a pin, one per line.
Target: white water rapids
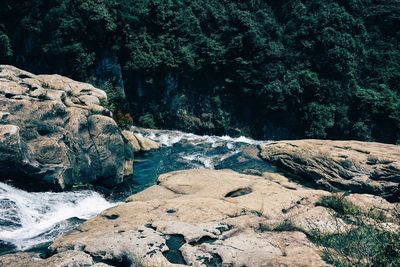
(28, 219)
(206, 151)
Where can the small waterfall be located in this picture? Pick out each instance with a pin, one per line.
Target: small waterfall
(29, 219)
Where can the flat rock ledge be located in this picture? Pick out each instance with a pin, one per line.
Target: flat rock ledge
(55, 132)
(361, 167)
(206, 218)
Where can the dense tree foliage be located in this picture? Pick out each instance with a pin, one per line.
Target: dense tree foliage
(273, 69)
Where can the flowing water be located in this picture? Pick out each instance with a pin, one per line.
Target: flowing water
(30, 220)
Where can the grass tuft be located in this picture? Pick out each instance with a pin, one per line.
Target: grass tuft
(286, 226)
(368, 243)
(339, 204)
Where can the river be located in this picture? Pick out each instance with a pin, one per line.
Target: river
(31, 220)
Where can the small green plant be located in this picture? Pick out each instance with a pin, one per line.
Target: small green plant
(70, 93)
(46, 85)
(124, 120)
(339, 204)
(366, 245)
(286, 226)
(262, 228)
(376, 214)
(147, 120)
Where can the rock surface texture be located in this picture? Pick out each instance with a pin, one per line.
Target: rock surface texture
(215, 215)
(206, 218)
(66, 259)
(210, 218)
(140, 143)
(54, 131)
(360, 167)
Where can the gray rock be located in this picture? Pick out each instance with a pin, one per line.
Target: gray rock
(360, 167)
(53, 131)
(66, 259)
(191, 217)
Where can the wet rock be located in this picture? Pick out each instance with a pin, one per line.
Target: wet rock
(54, 131)
(359, 167)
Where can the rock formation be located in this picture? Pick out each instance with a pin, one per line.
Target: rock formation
(68, 258)
(210, 218)
(354, 166)
(139, 142)
(55, 132)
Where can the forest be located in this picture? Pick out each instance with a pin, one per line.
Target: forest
(282, 69)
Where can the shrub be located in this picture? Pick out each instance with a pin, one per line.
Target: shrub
(124, 120)
(367, 243)
(286, 226)
(339, 204)
(147, 120)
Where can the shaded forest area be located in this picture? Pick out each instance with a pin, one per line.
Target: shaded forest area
(268, 69)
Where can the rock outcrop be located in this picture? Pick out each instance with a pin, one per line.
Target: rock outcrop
(354, 166)
(210, 218)
(66, 259)
(55, 132)
(207, 218)
(139, 142)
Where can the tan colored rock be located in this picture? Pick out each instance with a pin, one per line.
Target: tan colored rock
(132, 139)
(12, 149)
(89, 100)
(64, 136)
(140, 143)
(71, 87)
(217, 214)
(360, 167)
(65, 259)
(375, 206)
(152, 193)
(321, 219)
(146, 144)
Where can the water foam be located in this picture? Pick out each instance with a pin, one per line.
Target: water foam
(28, 219)
(170, 137)
(213, 149)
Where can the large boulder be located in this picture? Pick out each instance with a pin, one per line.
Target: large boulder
(55, 132)
(362, 167)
